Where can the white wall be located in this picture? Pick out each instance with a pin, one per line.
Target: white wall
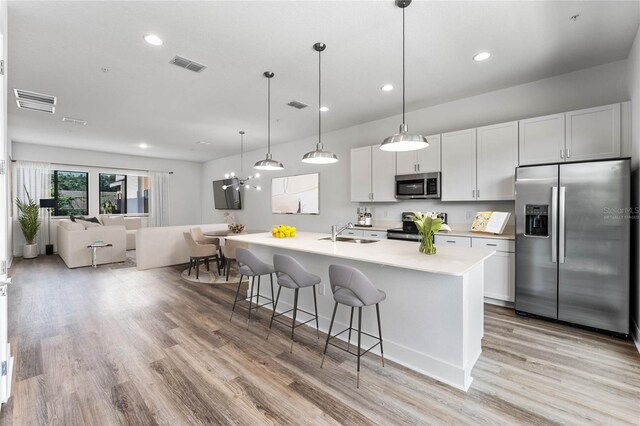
(634, 95)
(590, 87)
(184, 184)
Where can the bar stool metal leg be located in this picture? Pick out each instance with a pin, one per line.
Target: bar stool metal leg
(315, 305)
(258, 293)
(251, 299)
(274, 312)
(359, 339)
(236, 298)
(326, 345)
(273, 303)
(380, 332)
(295, 311)
(350, 327)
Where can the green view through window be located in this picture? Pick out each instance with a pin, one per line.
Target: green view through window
(71, 189)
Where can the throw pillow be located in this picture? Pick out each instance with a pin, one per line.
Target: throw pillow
(86, 219)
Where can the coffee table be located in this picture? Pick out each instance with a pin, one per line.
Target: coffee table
(94, 247)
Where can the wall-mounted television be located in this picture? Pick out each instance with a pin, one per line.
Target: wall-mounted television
(229, 198)
(298, 194)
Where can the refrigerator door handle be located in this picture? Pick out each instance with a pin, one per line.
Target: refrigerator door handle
(554, 231)
(561, 216)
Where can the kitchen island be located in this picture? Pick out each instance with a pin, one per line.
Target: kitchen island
(432, 319)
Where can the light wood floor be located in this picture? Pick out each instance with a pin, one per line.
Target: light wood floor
(119, 346)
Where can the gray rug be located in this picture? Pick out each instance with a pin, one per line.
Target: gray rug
(211, 277)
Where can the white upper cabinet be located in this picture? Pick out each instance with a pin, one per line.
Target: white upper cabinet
(424, 160)
(372, 174)
(383, 171)
(407, 162)
(497, 159)
(429, 157)
(586, 134)
(542, 140)
(459, 165)
(593, 133)
(361, 174)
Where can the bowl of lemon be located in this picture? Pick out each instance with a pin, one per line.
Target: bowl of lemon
(283, 231)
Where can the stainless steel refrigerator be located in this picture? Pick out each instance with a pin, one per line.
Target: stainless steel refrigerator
(573, 243)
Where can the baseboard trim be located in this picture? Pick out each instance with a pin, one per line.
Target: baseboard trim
(635, 334)
(498, 302)
(449, 374)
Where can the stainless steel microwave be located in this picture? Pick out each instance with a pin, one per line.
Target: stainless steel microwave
(418, 186)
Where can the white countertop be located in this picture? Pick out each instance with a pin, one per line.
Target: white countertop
(401, 254)
(454, 233)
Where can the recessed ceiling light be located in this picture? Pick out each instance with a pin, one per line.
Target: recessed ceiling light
(324, 109)
(203, 143)
(153, 39)
(387, 88)
(143, 145)
(482, 56)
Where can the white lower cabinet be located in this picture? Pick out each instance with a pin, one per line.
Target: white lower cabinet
(499, 269)
(364, 233)
(374, 234)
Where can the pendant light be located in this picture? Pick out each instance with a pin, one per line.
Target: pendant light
(242, 182)
(319, 156)
(404, 141)
(268, 163)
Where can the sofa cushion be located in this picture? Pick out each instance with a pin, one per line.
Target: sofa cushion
(133, 223)
(87, 224)
(113, 220)
(72, 226)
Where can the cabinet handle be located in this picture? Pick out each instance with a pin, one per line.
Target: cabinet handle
(449, 241)
(562, 153)
(418, 166)
(492, 245)
(473, 193)
(478, 193)
(568, 152)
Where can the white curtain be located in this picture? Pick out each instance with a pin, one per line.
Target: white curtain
(35, 178)
(158, 199)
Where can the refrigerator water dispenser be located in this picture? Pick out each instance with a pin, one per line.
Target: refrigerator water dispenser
(537, 220)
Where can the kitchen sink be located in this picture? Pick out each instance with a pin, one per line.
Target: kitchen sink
(351, 240)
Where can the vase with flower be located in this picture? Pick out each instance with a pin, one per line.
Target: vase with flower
(428, 224)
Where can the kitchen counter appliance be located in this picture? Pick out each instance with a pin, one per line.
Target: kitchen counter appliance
(364, 217)
(418, 186)
(409, 231)
(573, 245)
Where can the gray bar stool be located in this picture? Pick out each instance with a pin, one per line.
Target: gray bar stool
(249, 265)
(291, 274)
(352, 288)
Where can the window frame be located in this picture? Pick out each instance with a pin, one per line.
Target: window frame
(124, 193)
(55, 194)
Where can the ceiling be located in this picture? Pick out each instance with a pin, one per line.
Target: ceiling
(61, 48)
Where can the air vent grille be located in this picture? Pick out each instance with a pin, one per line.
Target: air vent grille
(187, 64)
(297, 105)
(36, 106)
(35, 97)
(75, 121)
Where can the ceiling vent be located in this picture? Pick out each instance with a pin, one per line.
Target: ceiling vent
(36, 106)
(297, 105)
(35, 97)
(187, 64)
(35, 101)
(75, 121)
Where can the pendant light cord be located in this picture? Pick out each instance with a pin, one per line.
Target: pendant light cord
(403, 100)
(241, 153)
(269, 116)
(319, 98)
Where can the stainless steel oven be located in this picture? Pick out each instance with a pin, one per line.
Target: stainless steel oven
(418, 186)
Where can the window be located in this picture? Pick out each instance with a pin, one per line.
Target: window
(124, 194)
(71, 190)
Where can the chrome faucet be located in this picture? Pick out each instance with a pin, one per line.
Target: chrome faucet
(335, 231)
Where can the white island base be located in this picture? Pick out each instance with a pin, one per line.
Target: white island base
(432, 322)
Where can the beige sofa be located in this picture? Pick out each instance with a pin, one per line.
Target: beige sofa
(132, 224)
(74, 239)
(164, 246)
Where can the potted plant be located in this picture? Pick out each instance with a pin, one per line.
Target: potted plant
(29, 224)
